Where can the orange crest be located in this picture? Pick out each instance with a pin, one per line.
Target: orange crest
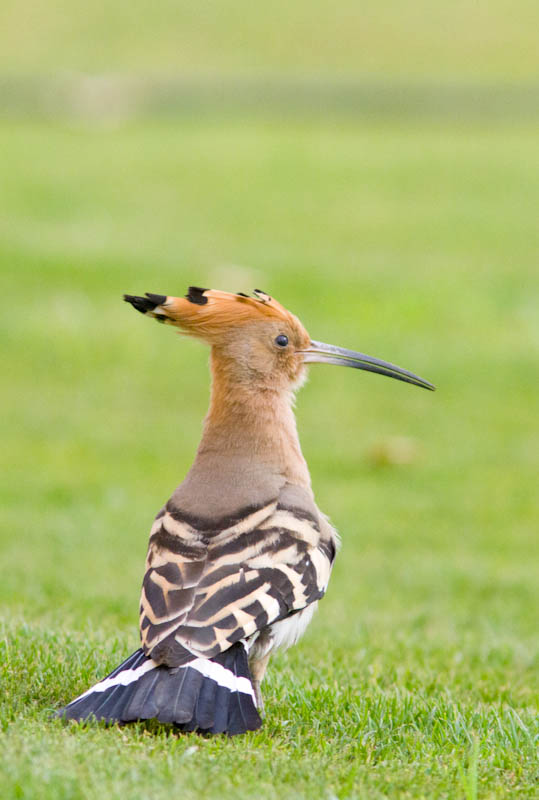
(208, 313)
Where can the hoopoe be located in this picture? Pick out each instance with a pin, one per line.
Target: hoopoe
(240, 555)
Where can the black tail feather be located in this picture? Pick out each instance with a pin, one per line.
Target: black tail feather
(171, 706)
(221, 708)
(205, 708)
(142, 704)
(117, 703)
(239, 715)
(186, 696)
(208, 695)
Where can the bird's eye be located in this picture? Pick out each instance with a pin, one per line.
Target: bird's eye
(281, 340)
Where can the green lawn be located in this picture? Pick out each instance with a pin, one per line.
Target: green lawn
(416, 243)
(408, 39)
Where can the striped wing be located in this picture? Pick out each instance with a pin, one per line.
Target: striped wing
(175, 563)
(203, 591)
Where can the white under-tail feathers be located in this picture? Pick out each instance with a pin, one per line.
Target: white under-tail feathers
(213, 696)
(209, 669)
(116, 697)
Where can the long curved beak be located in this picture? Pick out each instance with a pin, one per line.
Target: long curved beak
(320, 353)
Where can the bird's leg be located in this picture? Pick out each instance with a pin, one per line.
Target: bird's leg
(258, 669)
(259, 700)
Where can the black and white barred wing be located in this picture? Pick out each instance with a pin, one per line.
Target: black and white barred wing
(177, 557)
(273, 562)
(257, 577)
(175, 563)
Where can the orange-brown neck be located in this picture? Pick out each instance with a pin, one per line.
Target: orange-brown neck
(255, 422)
(249, 448)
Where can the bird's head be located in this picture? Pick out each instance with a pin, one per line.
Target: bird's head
(255, 340)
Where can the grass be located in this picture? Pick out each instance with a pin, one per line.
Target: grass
(411, 39)
(416, 243)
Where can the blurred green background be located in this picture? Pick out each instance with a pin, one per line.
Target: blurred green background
(375, 166)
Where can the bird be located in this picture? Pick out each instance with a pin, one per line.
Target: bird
(240, 555)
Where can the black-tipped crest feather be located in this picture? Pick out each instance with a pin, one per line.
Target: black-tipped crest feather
(145, 304)
(195, 294)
